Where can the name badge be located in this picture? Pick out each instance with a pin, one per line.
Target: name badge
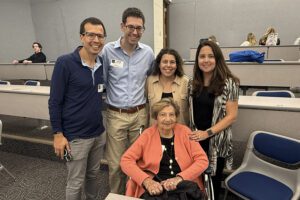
(100, 87)
(117, 63)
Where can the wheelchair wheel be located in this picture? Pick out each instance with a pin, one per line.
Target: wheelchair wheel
(209, 188)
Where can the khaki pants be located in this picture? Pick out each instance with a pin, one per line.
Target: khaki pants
(122, 130)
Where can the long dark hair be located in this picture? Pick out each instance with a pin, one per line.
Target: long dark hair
(220, 73)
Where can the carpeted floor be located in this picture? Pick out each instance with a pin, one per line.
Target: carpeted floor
(41, 179)
(38, 179)
(40, 175)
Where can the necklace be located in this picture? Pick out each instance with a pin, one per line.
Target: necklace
(168, 150)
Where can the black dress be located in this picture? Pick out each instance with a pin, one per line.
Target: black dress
(203, 113)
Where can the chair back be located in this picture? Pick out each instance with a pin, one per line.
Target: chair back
(275, 93)
(276, 156)
(4, 82)
(32, 83)
(281, 150)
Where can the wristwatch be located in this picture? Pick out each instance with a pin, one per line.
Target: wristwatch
(210, 133)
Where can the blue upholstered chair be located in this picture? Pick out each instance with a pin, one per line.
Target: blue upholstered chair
(32, 83)
(274, 93)
(4, 82)
(270, 169)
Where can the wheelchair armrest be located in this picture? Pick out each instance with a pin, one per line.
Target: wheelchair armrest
(208, 171)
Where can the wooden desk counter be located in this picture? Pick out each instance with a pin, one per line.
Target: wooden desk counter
(270, 103)
(25, 89)
(24, 101)
(268, 74)
(49, 70)
(273, 114)
(271, 74)
(35, 71)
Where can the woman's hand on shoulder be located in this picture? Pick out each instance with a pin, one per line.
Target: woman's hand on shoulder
(171, 183)
(198, 135)
(153, 187)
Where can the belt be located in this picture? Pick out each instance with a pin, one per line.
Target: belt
(127, 110)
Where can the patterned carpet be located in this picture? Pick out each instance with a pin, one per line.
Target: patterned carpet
(41, 179)
(40, 175)
(38, 179)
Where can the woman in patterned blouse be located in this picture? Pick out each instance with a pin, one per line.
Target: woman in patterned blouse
(215, 106)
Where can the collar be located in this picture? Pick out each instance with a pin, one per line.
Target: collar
(118, 44)
(96, 66)
(78, 59)
(176, 80)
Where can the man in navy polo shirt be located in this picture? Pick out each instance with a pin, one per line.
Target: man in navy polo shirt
(75, 110)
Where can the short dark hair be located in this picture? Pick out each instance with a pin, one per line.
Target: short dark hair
(179, 69)
(132, 12)
(40, 46)
(91, 20)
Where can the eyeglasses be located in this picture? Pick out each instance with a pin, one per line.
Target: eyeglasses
(92, 36)
(139, 29)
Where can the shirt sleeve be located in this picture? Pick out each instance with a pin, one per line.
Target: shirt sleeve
(57, 91)
(199, 157)
(129, 161)
(29, 58)
(105, 63)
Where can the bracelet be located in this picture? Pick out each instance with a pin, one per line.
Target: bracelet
(210, 132)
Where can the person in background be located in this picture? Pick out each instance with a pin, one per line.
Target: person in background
(214, 39)
(270, 33)
(164, 150)
(215, 106)
(297, 41)
(37, 57)
(251, 40)
(127, 62)
(202, 40)
(75, 111)
(168, 80)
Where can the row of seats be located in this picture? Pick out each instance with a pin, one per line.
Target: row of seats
(29, 82)
(271, 164)
(274, 93)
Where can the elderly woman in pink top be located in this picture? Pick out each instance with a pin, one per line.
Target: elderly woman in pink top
(166, 151)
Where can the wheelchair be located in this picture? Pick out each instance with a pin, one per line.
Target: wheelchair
(208, 184)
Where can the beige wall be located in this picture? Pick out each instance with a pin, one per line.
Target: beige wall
(158, 16)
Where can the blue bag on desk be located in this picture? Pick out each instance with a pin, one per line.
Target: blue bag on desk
(247, 56)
